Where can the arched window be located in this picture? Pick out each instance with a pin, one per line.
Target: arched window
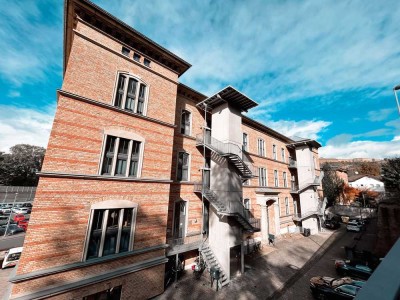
(131, 94)
(111, 228)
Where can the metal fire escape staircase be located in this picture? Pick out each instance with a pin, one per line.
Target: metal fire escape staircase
(233, 153)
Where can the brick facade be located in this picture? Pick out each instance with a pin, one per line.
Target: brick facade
(71, 181)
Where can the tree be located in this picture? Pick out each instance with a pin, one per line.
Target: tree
(371, 168)
(391, 175)
(19, 167)
(332, 185)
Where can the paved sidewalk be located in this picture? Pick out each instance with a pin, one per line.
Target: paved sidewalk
(266, 273)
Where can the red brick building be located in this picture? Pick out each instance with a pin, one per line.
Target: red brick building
(140, 167)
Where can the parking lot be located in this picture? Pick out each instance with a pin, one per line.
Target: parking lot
(281, 272)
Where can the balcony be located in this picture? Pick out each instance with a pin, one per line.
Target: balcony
(292, 163)
(190, 242)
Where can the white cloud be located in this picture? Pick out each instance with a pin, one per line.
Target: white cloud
(24, 126)
(362, 149)
(380, 115)
(306, 128)
(14, 94)
(30, 41)
(283, 50)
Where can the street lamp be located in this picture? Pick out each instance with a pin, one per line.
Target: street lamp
(395, 89)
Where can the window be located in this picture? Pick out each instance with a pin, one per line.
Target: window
(185, 122)
(245, 142)
(261, 147)
(125, 51)
(276, 182)
(183, 166)
(274, 155)
(284, 179)
(295, 207)
(287, 208)
(262, 177)
(246, 182)
(283, 154)
(130, 94)
(146, 62)
(111, 228)
(136, 57)
(121, 157)
(247, 203)
(110, 294)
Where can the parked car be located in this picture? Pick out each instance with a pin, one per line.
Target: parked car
(19, 217)
(354, 226)
(331, 288)
(23, 225)
(352, 268)
(331, 224)
(5, 211)
(21, 210)
(12, 257)
(3, 220)
(29, 205)
(12, 229)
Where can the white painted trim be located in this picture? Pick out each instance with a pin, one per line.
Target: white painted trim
(177, 165)
(102, 153)
(114, 204)
(119, 133)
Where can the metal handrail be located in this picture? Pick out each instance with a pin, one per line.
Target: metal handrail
(221, 147)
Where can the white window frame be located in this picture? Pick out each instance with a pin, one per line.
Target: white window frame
(140, 81)
(285, 183)
(287, 207)
(274, 153)
(276, 178)
(245, 148)
(261, 147)
(118, 134)
(249, 201)
(177, 165)
(262, 170)
(107, 205)
(190, 120)
(186, 216)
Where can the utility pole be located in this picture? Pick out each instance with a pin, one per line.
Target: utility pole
(9, 216)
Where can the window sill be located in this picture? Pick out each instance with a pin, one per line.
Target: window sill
(87, 263)
(102, 177)
(187, 136)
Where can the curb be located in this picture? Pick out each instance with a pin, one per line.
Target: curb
(336, 236)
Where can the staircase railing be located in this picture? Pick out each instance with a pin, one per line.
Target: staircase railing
(228, 207)
(224, 148)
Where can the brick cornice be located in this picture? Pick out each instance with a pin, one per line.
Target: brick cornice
(112, 107)
(101, 177)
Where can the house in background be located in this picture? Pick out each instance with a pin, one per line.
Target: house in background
(366, 182)
(140, 167)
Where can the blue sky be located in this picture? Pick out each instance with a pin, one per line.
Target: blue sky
(318, 69)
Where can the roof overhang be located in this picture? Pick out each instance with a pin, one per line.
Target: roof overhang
(308, 142)
(228, 95)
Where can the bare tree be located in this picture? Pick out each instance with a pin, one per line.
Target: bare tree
(391, 175)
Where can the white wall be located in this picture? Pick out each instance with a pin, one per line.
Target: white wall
(368, 183)
(305, 165)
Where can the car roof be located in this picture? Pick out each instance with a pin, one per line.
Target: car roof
(15, 250)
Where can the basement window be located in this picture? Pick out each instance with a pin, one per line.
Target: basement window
(125, 51)
(146, 62)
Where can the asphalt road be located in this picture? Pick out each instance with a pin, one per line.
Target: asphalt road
(322, 267)
(11, 241)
